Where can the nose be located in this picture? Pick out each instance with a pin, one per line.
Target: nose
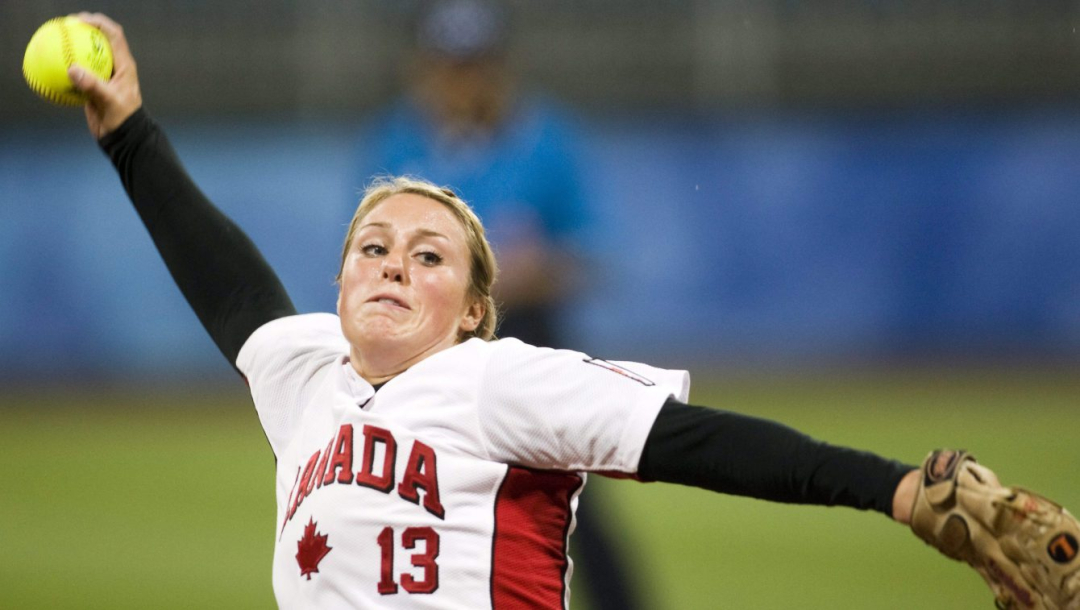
(393, 269)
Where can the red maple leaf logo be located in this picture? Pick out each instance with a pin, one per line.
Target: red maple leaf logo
(311, 549)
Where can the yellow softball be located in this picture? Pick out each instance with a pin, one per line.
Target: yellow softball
(56, 46)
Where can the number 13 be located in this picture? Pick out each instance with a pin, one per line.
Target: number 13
(426, 560)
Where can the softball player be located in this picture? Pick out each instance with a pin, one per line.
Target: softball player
(420, 462)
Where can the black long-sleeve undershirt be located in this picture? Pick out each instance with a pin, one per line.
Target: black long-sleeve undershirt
(216, 266)
(749, 456)
(234, 291)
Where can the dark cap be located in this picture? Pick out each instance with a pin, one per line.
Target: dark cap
(462, 29)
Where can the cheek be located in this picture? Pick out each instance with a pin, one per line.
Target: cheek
(446, 291)
(348, 291)
(344, 306)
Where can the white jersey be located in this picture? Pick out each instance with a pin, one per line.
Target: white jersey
(452, 486)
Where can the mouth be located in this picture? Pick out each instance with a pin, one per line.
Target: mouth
(388, 300)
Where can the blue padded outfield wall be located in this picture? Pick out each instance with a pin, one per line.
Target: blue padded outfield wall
(802, 238)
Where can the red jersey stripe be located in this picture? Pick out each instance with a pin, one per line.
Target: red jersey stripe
(528, 552)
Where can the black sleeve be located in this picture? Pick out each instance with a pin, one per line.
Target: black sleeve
(748, 456)
(216, 266)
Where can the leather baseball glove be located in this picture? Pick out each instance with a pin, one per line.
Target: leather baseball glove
(1023, 545)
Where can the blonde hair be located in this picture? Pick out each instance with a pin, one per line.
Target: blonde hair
(483, 268)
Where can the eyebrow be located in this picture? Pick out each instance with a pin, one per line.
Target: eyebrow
(422, 232)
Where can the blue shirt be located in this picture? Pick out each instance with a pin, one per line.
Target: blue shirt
(523, 176)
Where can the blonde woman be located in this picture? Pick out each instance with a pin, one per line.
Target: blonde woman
(421, 463)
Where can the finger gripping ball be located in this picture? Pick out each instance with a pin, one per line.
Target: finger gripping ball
(56, 46)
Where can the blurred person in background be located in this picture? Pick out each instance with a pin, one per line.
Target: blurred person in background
(465, 123)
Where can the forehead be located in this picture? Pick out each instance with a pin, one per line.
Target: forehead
(409, 209)
(409, 212)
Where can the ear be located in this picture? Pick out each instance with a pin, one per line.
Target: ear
(472, 317)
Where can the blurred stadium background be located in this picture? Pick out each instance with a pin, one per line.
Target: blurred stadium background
(860, 217)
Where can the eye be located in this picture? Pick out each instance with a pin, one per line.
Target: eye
(373, 250)
(429, 258)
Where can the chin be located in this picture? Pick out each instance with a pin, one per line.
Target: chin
(379, 334)
(369, 332)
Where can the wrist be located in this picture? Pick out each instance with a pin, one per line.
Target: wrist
(134, 125)
(904, 497)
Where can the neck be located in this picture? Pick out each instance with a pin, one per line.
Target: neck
(379, 364)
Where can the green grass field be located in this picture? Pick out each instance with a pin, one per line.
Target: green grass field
(154, 499)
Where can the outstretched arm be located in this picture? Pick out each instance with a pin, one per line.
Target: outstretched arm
(1022, 544)
(216, 266)
(742, 455)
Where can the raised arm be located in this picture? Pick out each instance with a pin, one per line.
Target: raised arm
(216, 266)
